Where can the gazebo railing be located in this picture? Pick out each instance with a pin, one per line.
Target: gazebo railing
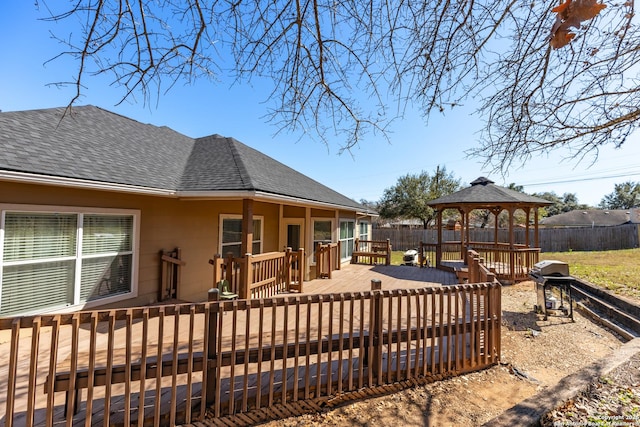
(507, 263)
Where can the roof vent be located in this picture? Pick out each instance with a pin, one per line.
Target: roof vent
(482, 181)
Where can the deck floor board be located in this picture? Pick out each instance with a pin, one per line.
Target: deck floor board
(351, 278)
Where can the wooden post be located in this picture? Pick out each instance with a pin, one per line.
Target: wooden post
(376, 333)
(301, 268)
(536, 237)
(228, 269)
(247, 226)
(356, 248)
(212, 355)
(527, 239)
(338, 252)
(288, 266)
(388, 260)
(318, 266)
(216, 263)
(439, 247)
(245, 277)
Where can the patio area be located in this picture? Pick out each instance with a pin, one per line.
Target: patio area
(296, 321)
(357, 278)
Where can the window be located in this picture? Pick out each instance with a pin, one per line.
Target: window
(231, 235)
(54, 260)
(321, 234)
(364, 230)
(347, 239)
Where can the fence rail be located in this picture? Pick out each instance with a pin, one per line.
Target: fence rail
(266, 275)
(625, 236)
(167, 364)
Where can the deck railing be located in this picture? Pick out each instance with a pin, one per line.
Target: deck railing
(447, 251)
(371, 252)
(169, 364)
(267, 274)
(477, 269)
(507, 263)
(327, 259)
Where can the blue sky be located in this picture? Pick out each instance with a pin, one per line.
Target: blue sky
(238, 111)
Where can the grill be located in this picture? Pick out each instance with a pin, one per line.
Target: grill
(552, 278)
(410, 257)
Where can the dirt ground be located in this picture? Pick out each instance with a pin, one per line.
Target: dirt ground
(535, 354)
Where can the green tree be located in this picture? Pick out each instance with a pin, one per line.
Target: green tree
(624, 196)
(334, 66)
(565, 203)
(408, 198)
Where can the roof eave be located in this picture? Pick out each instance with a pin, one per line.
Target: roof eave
(31, 178)
(266, 197)
(58, 181)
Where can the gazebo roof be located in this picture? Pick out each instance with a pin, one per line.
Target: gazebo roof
(483, 193)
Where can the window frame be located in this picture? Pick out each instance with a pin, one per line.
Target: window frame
(221, 244)
(312, 231)
(344, 242)
(79, 256)
(367, 233)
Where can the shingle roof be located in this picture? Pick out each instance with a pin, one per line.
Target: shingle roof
(592, 218)
(97, 145)
(484, 192)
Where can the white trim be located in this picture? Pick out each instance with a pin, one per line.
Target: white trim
(353, 238)
(363, 222)
(286, 222)
(80, 211)
(312, 227)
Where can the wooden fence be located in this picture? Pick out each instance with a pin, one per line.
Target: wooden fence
(624, 236)
(263, 275)
(165, 365)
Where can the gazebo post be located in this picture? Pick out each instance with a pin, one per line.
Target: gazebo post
(439, 246)
(468, 229)
(527, 210)
(536, 238)
(463, 235)
(512, 243)
(496, 213)
(483, 194)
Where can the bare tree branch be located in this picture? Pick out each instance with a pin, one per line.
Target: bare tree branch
(338, 67)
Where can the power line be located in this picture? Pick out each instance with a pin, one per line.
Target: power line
(593, 178)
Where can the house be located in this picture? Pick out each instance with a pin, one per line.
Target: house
(89, 199)
(593, 218)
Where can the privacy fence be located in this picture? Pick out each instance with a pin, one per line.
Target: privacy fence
(625, 236)
(171, 364)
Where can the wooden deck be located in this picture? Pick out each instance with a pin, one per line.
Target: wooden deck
(351, 279)
(357, 278)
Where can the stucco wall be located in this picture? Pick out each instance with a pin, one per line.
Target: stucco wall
(166, 223)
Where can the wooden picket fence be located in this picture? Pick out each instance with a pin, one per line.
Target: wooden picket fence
(171, 364)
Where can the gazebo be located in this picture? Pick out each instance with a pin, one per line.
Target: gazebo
(510, 261)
